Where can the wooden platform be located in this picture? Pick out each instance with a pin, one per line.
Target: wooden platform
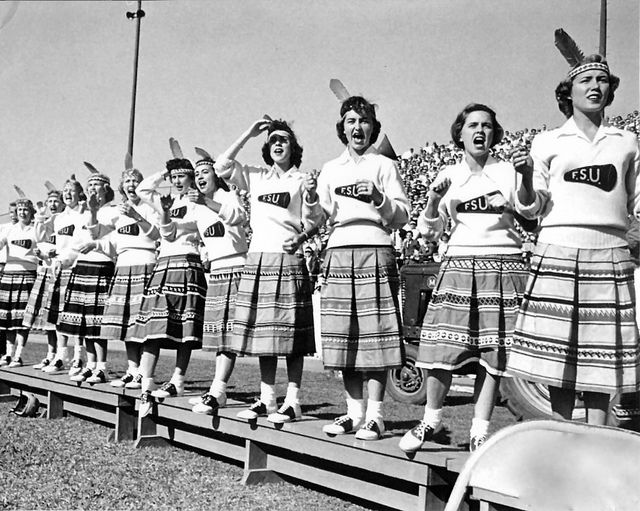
(378, 471)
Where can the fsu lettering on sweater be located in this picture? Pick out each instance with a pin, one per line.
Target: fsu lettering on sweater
(178, 212)
(129, 230)
(67, 230)
(351, 192)
(22, 243)
(280, 199)
(215, 231)
(600, 176)
(479, 205)
(52, 239)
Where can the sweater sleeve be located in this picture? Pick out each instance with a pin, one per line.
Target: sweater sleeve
(148, 192)
(633, 183)
(234, 172)
(395, 206)
(231, 211)
(541, 177)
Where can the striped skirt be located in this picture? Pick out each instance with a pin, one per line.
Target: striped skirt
(54, 302)
(85, 298)
(172, 308)
(125, 298)
(15, 287)
(274, 313)
(220, 308)
(360, 310)
(35, 315)
(472, 312)
(576, 329)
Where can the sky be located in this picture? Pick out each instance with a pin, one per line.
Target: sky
(208, 69)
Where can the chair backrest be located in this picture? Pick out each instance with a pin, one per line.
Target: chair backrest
(555, 465)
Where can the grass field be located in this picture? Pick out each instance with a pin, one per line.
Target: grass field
(69, 464)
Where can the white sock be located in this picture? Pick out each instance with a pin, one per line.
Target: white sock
(51, 353)
(355, 409)
(374, 410)
(18, 353)
(178, 380)
(267, 394)
(101, 366)
(91, 365)
(218, 388)
(63, 354)
(432, 417)
(148, 384)
(479, 427)
(78, 352)
(9, 350)
(293, 395)
(132, 368)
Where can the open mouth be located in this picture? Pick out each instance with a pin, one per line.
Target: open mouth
(358, 137)
(479, 139)
(278, 151)
(202, 183)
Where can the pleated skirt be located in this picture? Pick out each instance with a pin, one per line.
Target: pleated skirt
(172, 308)
(15, 287)
(125, 299)
(220, 308)
(274, 313)
(85, 298)
(576, 328)
(472, 312)
(35, 315)
(360, 309)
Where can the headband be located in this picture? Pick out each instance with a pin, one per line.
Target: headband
(281, 133)
(590, 66)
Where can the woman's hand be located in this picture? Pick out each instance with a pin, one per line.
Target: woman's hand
(93, 202)
(195, 196)
(85, 248)
(128, 210)
(522, 162)
(259, 126)
(366, 189)
(166, 201)
(290, 246)
(310, 185)
(439, 189)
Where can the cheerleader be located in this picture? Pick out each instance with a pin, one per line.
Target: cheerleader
(60, 229)
(274, 315)
(90, 281)
(363, 197)
(172, 309)
(472, 312)
(17, 280)
(576, 331)
(3, 260)
(220, 220)
(133, 233)
(35, 313)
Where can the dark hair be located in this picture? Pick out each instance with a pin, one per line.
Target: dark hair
(179, 163)
(363, 108)
(217, 180)
(136, 173)
(296, 148)
(456, 127)
(563, 90)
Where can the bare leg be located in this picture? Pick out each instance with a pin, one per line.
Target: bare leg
(438, 384)
(353, 381)
(225, 362)
(149, 359)
(376, 384)
(268, 367)
(295, 365)
(485, 393)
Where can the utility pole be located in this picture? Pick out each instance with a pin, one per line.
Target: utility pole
(603, 28)
(138, 15)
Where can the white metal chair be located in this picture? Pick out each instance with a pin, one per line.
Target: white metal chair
(554, 465)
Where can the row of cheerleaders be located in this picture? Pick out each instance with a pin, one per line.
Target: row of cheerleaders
(568, 321)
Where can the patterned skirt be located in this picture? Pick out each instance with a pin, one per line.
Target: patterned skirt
(172, 307)
(85, 298)
(220, 308)
(576, 329)
(125, 298)
(54, 303)
(274, 313)
(15, 287)
(472, 312)
(35, 315)
(360, 310)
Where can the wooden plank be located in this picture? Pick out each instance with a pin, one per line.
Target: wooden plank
(90, 412)
(357, 487)
(494, 499)
(55, 406)
(213, 445)
(126, 420)
(256, 470)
